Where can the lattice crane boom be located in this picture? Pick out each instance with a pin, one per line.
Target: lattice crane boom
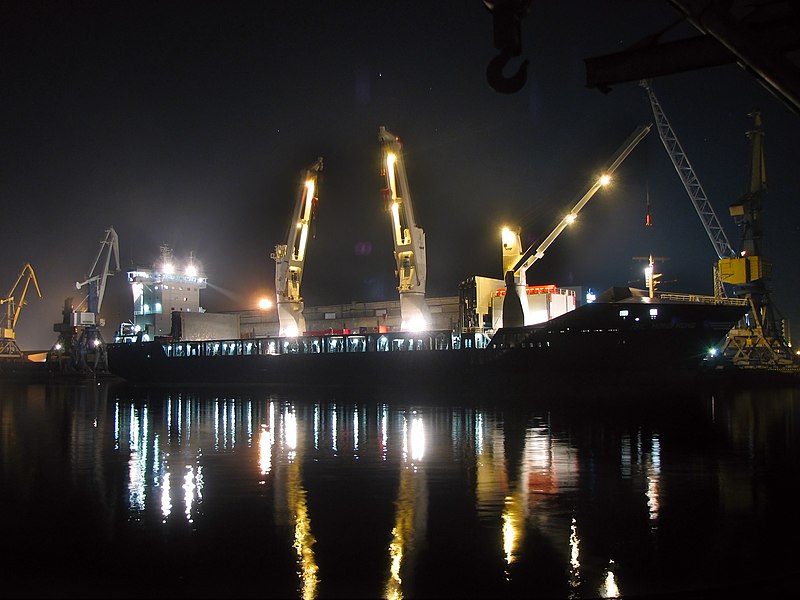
(690, 181)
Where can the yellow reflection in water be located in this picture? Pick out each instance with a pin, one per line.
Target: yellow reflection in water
(513, 517)
(574, 560)
(609, 588)
(296, 497)
(409, 506)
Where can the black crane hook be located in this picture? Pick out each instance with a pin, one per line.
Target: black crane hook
(498, 80)
(507, 16)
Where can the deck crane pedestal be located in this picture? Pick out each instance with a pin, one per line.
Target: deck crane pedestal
(514, 314)
(80, 347)
(290, 257)
(13, 305)
(758, 341)
(409, 239)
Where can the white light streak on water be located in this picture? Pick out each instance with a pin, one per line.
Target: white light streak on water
(116, 425)
(166, 501)
(316, 425)
(188, 492)
(417, 439)
(216, 424)
(654, 480)
(233, 424)
(334, 429)
(384, 427)
(169, 420)
(266, 440)
(574, 560)
(609, 588)
(290, 432)
(355, 430)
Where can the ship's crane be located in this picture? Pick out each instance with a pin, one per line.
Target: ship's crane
(13, 305)
(408, 238)
(290, 257)
(514, 314)
(80, 346)
(758, 341)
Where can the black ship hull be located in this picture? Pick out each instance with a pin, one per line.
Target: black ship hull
(641, 337)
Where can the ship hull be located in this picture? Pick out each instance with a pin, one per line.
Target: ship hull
(596, 342)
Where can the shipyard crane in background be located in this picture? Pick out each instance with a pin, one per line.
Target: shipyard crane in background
(409, 239)
(759, 340)
(80, 346)
(13, 305)
(290, 257)
(514, 313)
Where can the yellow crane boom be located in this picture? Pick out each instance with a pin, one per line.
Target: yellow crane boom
(14, 304)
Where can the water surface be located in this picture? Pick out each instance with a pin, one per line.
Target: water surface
(112, 491)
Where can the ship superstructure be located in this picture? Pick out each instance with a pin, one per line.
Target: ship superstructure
(158, 292)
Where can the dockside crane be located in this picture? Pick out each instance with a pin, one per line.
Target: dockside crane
(290, 257)
(13, 304)
(758, 341)
(513, 313)
(408, 237)
(80, 346)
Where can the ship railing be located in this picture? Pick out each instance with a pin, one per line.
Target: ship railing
(318, 344)
(697, 298)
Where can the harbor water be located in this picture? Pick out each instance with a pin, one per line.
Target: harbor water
(113, 491)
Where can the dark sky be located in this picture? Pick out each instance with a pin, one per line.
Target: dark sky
(189, 123)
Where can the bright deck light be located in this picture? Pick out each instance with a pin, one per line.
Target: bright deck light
(509, 237)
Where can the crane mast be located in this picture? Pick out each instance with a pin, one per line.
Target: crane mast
(515, 275)
(408, 238)
(80, 346)
(14, 304)
(290, 257)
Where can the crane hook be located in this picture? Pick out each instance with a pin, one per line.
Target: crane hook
(501, 83)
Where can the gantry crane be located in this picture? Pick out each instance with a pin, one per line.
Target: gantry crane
(14, 304)
(758, 340)
(408, 238)
(514, 313)
(80, 346)
(290, 257)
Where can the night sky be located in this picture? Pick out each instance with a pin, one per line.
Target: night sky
(189, 124)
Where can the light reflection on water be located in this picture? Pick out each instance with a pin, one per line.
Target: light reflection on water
(369, 495)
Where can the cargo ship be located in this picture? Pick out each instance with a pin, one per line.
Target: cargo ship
(625, 331)
(626, 334)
